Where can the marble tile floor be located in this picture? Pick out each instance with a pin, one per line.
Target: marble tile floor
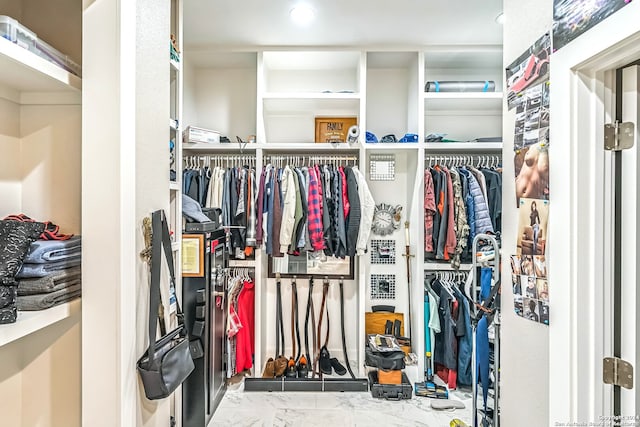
(239, 409)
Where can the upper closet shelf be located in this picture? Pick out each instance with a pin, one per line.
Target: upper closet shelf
(32, 321)
(309, 147)
(300, 103)
(232, 147)
(28, 79)
(463, 101)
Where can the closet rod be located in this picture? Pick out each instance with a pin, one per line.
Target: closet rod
(289, 159)
(194, 162)
(479, 160)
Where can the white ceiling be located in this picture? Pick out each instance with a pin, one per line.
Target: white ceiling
(248, 23)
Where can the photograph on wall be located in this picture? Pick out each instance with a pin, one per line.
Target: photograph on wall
(532, 226)
(532, 172)
(530, 287)
(529, 70)
(571, 18)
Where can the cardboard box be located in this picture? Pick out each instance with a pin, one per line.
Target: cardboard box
(333, 129)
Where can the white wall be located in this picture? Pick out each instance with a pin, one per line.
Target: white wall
(524, 359)
(10, 165)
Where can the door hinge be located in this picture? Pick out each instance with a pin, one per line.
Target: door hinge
(617, 372)
(618, 136)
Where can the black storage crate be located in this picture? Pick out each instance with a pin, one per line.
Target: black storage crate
(390, 391)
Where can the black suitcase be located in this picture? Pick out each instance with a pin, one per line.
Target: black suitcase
(390, 391)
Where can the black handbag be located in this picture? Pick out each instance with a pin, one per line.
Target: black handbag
(167, 362)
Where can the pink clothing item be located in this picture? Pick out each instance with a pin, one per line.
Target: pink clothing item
(451, 243)
(245, 338)
(345, 199)
(429, 211)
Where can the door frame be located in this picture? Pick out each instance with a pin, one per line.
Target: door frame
(582, 100)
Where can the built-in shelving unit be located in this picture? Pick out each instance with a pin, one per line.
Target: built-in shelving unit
(41, 157)
(384, 90)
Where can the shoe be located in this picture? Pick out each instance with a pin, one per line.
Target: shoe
(389, 138)
(371, 137)
(409, 137)
(337, 366)
(269, 369)
(291, 371)
(325, 361)
(388, 327)
(303, 367)
(280, 366)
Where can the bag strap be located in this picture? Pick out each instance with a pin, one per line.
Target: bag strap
(160, 238)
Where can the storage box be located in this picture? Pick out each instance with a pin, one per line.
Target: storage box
(16, 33)
(389, 391)
(196, 134)
(334, 129)
(53, 55)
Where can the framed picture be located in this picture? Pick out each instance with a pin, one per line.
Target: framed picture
(193, 255)
(311, 264)
(334, 129)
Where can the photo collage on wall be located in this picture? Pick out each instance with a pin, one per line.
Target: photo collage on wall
(571, 18)
(530, 287)
(528, 93)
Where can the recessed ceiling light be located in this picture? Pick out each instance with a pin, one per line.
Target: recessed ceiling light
(302, 14)
(500, 18)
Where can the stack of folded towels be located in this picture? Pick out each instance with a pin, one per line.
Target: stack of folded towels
(50, 274)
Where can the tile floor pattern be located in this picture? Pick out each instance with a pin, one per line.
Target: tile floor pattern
(239, 409)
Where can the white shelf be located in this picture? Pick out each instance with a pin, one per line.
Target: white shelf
(315, 103)
(32, 321)
(393, 146)
(24, 72)
(466, 147)
(233, 147)
(446, 266)
(461, 102)
(174, 185)
(310, 147)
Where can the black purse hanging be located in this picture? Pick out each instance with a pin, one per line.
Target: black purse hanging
(167, 362)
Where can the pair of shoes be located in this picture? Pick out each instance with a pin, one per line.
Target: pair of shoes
(269, 369)
(329, 364)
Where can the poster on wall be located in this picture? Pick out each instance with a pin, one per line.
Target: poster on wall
(571, 18)
(526, 77)
(532, 172)
(530, 287)
(532, 226)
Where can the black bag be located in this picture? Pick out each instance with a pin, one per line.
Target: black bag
(167, 362)
(384, 360)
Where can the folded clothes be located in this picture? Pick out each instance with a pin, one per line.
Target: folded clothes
(44, 301)
(51, 282)
(42, 251)
(40, 270)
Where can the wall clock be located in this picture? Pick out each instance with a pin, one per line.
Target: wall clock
(386, 219)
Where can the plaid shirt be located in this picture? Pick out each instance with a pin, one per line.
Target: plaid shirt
(314, 218)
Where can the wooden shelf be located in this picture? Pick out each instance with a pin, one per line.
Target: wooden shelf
(32, 321)
(27, 78)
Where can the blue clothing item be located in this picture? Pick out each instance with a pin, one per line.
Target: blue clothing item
(482, 358)
(483, 217)
(41, 270)
(370, 137)
(471, 212)
(409, 137)
(42, 251)
(485, 283)
(465, 342)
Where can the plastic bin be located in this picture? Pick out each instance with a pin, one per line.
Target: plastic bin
(16, 33)
(51, 54)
